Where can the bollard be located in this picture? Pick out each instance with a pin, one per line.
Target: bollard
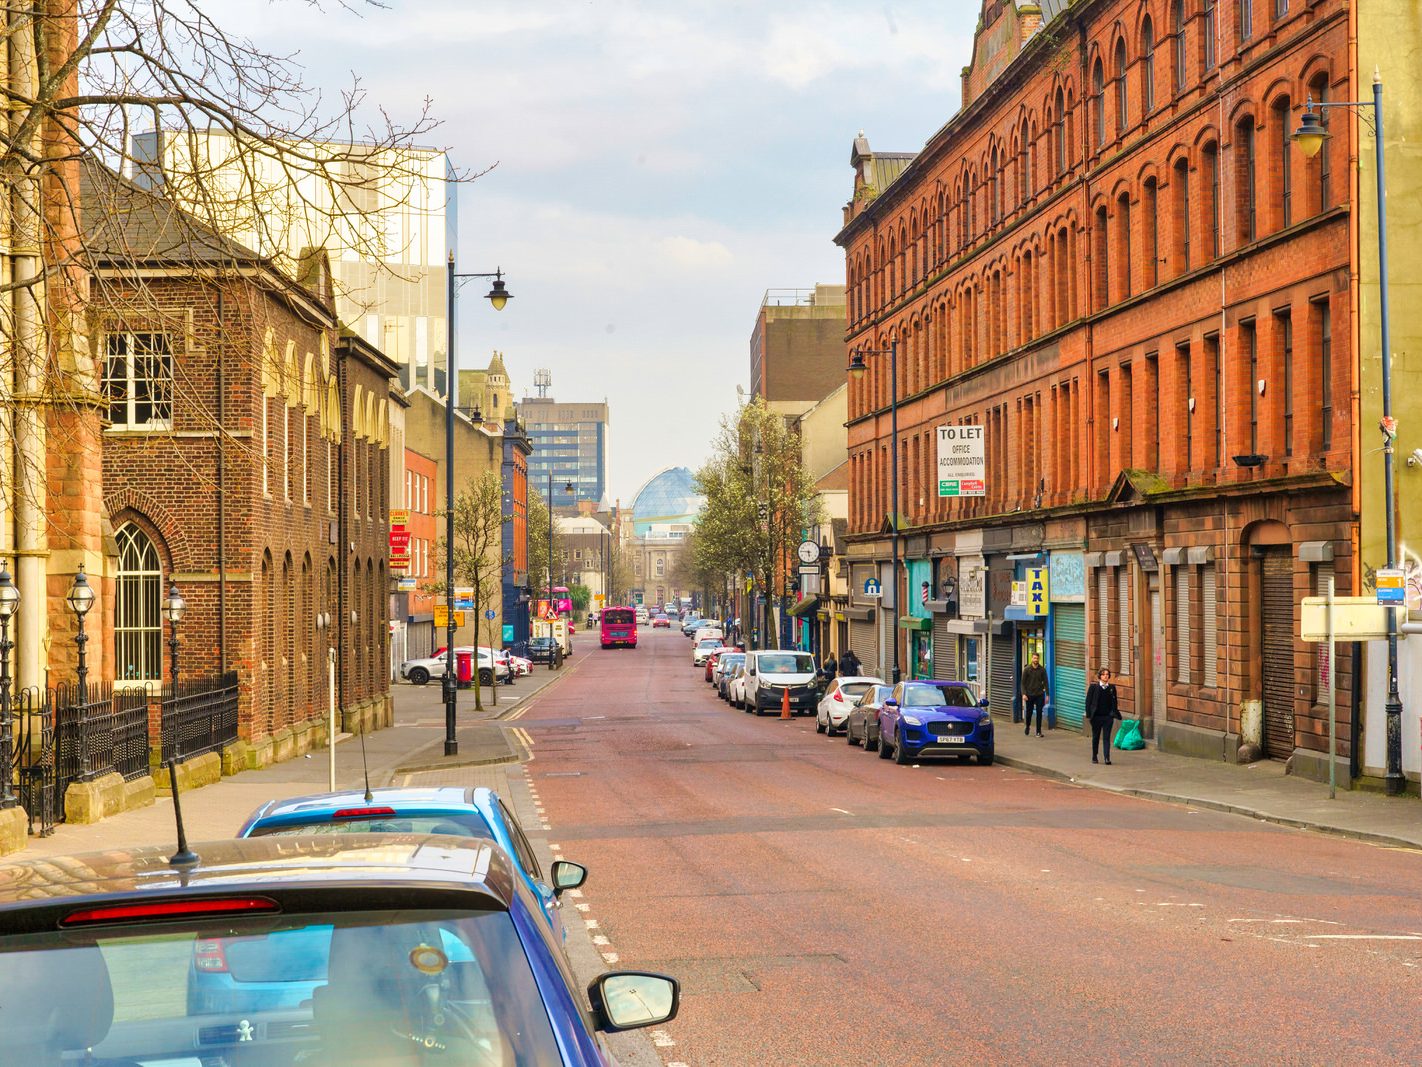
(785, 703)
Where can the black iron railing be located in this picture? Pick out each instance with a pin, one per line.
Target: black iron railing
(32, 762)
(107, 733)
(201, 716)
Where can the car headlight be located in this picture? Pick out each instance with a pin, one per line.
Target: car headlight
(909, 720)
(986, 720)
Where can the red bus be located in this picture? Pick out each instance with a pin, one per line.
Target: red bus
(619, 627)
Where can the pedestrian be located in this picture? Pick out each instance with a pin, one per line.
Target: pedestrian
(848, 663)
(1103, 710)
(1034, 693)
(827, 670)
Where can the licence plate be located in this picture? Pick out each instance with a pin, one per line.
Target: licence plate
(950, 740)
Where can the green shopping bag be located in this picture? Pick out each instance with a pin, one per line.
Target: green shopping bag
(1128, 736)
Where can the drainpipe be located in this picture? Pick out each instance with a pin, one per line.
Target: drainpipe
(221, 497)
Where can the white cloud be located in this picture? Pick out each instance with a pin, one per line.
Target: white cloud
(695, 255)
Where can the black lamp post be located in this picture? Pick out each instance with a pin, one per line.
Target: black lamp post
(857, 368)
(174, 606)
(1310, 137)
(498, 296)
(80, 600)
(9, 603)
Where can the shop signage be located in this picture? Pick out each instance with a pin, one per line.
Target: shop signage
(399, 539)
(962, 461)
(1037, 585)
(1391, 586)
(972, 588)
(1019, 594)
(872, 588)
(405, 585)
(1066, 573)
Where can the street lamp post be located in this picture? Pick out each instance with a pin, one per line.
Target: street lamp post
(9, 603)
(498, 297)
(1310, 137)
(80, 600)
(174, 607)
(857, 368)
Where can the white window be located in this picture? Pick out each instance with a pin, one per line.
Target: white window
(138, 380)
(408, 477)
(138, 625)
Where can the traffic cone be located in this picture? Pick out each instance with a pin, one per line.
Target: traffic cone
(785, 703)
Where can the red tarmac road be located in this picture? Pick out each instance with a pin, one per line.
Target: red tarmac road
(822, 906)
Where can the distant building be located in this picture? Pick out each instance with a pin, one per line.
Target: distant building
(663, 514)
(797, 348)
(570, 441)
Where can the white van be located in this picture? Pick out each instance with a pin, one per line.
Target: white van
(707, 631)
(642, 617)
(773, 672)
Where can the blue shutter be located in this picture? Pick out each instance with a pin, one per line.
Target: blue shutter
(1069, 663)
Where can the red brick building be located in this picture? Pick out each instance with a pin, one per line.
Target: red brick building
(1114, 262)
(244, 459)
(421, 476)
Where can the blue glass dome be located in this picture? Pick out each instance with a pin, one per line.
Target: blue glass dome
(666, 498)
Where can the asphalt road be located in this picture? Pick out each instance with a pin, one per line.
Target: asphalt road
(822, 906)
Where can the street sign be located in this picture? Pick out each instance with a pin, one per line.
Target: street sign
(441, 617)
(872, 588)
(490, 614)
(405, 585)
(1036, 591)
(1391, 586)
(962, 461)
(1355, 618)
(508, 634)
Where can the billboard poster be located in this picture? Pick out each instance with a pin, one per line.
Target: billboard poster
(962, 461)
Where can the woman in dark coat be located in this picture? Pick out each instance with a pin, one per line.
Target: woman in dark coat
(1103, 710)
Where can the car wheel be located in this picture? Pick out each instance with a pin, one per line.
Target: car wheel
(901, 756)
(419, 676)
(885, 752)
(871, 742)
(985, 759)
(819, 726)
(848, 734)
(486, 676)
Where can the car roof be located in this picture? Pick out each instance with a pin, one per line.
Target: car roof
(936, 683)
(850, 679)
(428, 797)
(319, 872)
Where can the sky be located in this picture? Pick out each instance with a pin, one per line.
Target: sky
(657, 165)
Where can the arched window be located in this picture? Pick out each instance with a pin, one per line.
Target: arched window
(1207, 11)
(1177, 27)
(1121, 122)
(1059, 132)
(138, 622)
(1147, 66)
(1245, 174)
(994, 203)
(1098, 103)
(1025, 159)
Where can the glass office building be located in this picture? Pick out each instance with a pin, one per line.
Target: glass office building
(570, 441)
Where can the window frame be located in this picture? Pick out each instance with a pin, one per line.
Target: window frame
(130, 358)
(144, 636)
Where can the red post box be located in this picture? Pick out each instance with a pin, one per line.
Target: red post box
(464, 667)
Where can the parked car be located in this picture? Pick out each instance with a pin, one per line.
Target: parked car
(726, 662)
(704, 632)
(736, 688)
(661, 622)
(922, 719)
(394, 957)
(422, 670)
(834, 707)
(690, 624)
(703, 648)
(862, 726)
(441, 810)
(541, 649)
(642, 616)
(771, 673)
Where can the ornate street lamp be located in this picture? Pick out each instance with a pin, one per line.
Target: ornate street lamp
(174, 607)
(80, 600)
(498, 296)
(9, 604)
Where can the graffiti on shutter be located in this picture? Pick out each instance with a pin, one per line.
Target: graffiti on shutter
(1068, 693)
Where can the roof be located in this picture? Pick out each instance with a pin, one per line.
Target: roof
(432, 797)
(406, 868)
(667, 497)
(883, 167)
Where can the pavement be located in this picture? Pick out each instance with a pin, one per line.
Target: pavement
(1258, 790)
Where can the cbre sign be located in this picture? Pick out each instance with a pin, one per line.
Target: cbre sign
(962, 461)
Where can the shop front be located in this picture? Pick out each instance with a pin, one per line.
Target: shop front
(1066, 638)
(917, 619)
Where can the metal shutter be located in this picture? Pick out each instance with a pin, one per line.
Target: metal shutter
(1182, 625)
(1004, 674)
(945, 649)
(1321, 672)
(1123, 613)
(863, 639)
(1103, 617)
(1277, 610)
(1068, 663)
(888, 639)
(1209, 626)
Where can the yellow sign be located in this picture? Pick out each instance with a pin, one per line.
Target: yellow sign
(1037, 591)
(599, 597)
(399, 517)
(441, 617)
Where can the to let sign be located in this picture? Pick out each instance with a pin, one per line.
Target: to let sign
(962, 461)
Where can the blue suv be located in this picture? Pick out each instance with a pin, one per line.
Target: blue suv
(923, 719)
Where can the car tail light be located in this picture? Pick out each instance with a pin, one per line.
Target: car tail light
(169, 909)
(362, 813)
(839, 697)
(209, 956)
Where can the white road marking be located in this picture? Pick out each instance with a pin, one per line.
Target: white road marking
(842, 811)
(662, 1039)
(1174, 904)
(610, 957)
(1329, 922)
(1364, 937)
(576, 893)
(555, 848)
(591, 923)
(600, 940)
(582, 907)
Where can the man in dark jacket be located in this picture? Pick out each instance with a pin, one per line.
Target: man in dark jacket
(1103, 709)
(848, 663)
(1034, 693)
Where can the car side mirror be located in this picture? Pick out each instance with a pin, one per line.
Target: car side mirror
(567, 875)
(983, 702)
(627, 1000)
(891, 703)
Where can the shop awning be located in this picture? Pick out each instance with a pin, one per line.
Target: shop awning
(804, 607)
(913, 622)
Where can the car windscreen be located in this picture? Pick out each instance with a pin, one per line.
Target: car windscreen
(709, 642)
(455, 825)
(785, 663)
(731, 659)
(932, 696)
(338, 988)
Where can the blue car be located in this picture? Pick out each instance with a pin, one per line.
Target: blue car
(923, 719)
(431, 951)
